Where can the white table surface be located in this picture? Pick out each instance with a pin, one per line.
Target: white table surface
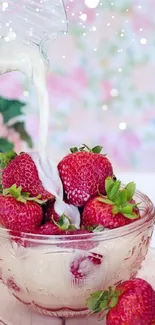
(145, 183)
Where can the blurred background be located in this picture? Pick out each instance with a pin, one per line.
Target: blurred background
(101, 85)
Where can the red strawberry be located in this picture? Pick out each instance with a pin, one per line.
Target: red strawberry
(12, 285)
(83, 174)
(22, 171)
(49, 212)
(113, 211)
(83, 266)
(48, 229)
(133, 302)
(19, 214)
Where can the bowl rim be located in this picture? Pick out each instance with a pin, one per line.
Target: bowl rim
(148, 219)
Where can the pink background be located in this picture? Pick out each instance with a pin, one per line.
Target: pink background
(101, 84)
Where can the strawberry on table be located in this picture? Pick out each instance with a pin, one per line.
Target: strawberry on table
(115, 210)
(131, 303)
(19, 212)
(21, 170)
(83, 174)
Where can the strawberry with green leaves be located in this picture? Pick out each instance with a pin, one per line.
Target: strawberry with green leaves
(115, 210)
(83, 173)
(131, 303)
(19, 212)
(22, 171)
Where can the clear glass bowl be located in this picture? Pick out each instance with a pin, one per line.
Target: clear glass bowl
(54, 275)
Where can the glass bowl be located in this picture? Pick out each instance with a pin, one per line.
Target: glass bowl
(55, 274)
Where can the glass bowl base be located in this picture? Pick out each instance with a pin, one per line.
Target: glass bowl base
(13, 312)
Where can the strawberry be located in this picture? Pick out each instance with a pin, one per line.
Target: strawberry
(12, 285)
(48, 229)
(49, 212)
(116, 210)
(19, 212)
(21, 170)
(133, 302)
(83, 174)
(83, 266)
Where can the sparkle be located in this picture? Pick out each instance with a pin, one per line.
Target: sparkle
(92, 3)
(141, 29)
(84, 34)
(4, 5)
(37, 9)
(122, 35)
(143, 41)
(120, 70)
(95, 49)
(122, 126)
(25, 93)
(94, 29)
(113, 17)
(114, 92)
(73, 14)
(108, 24)
(127, 10)
(83, 17)
(112, 4)
(63, 56)
(139, 7)
(104, 107)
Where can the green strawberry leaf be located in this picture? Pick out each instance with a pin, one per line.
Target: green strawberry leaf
(20, 196)
(20, 128)
(84, 147)
(5, 145)
(93, 302)
(98, 228)
(64, 223)
(130, 188)
(115, 209)
(10, 108)
(131, 216)
(103, 300)
(114, 298)
(74, 149)
(108, 184)
(121, 198)
(105, 200)
(97, 149)
(128, 209)
(5, 158)
(13, 191)
(114, 190)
